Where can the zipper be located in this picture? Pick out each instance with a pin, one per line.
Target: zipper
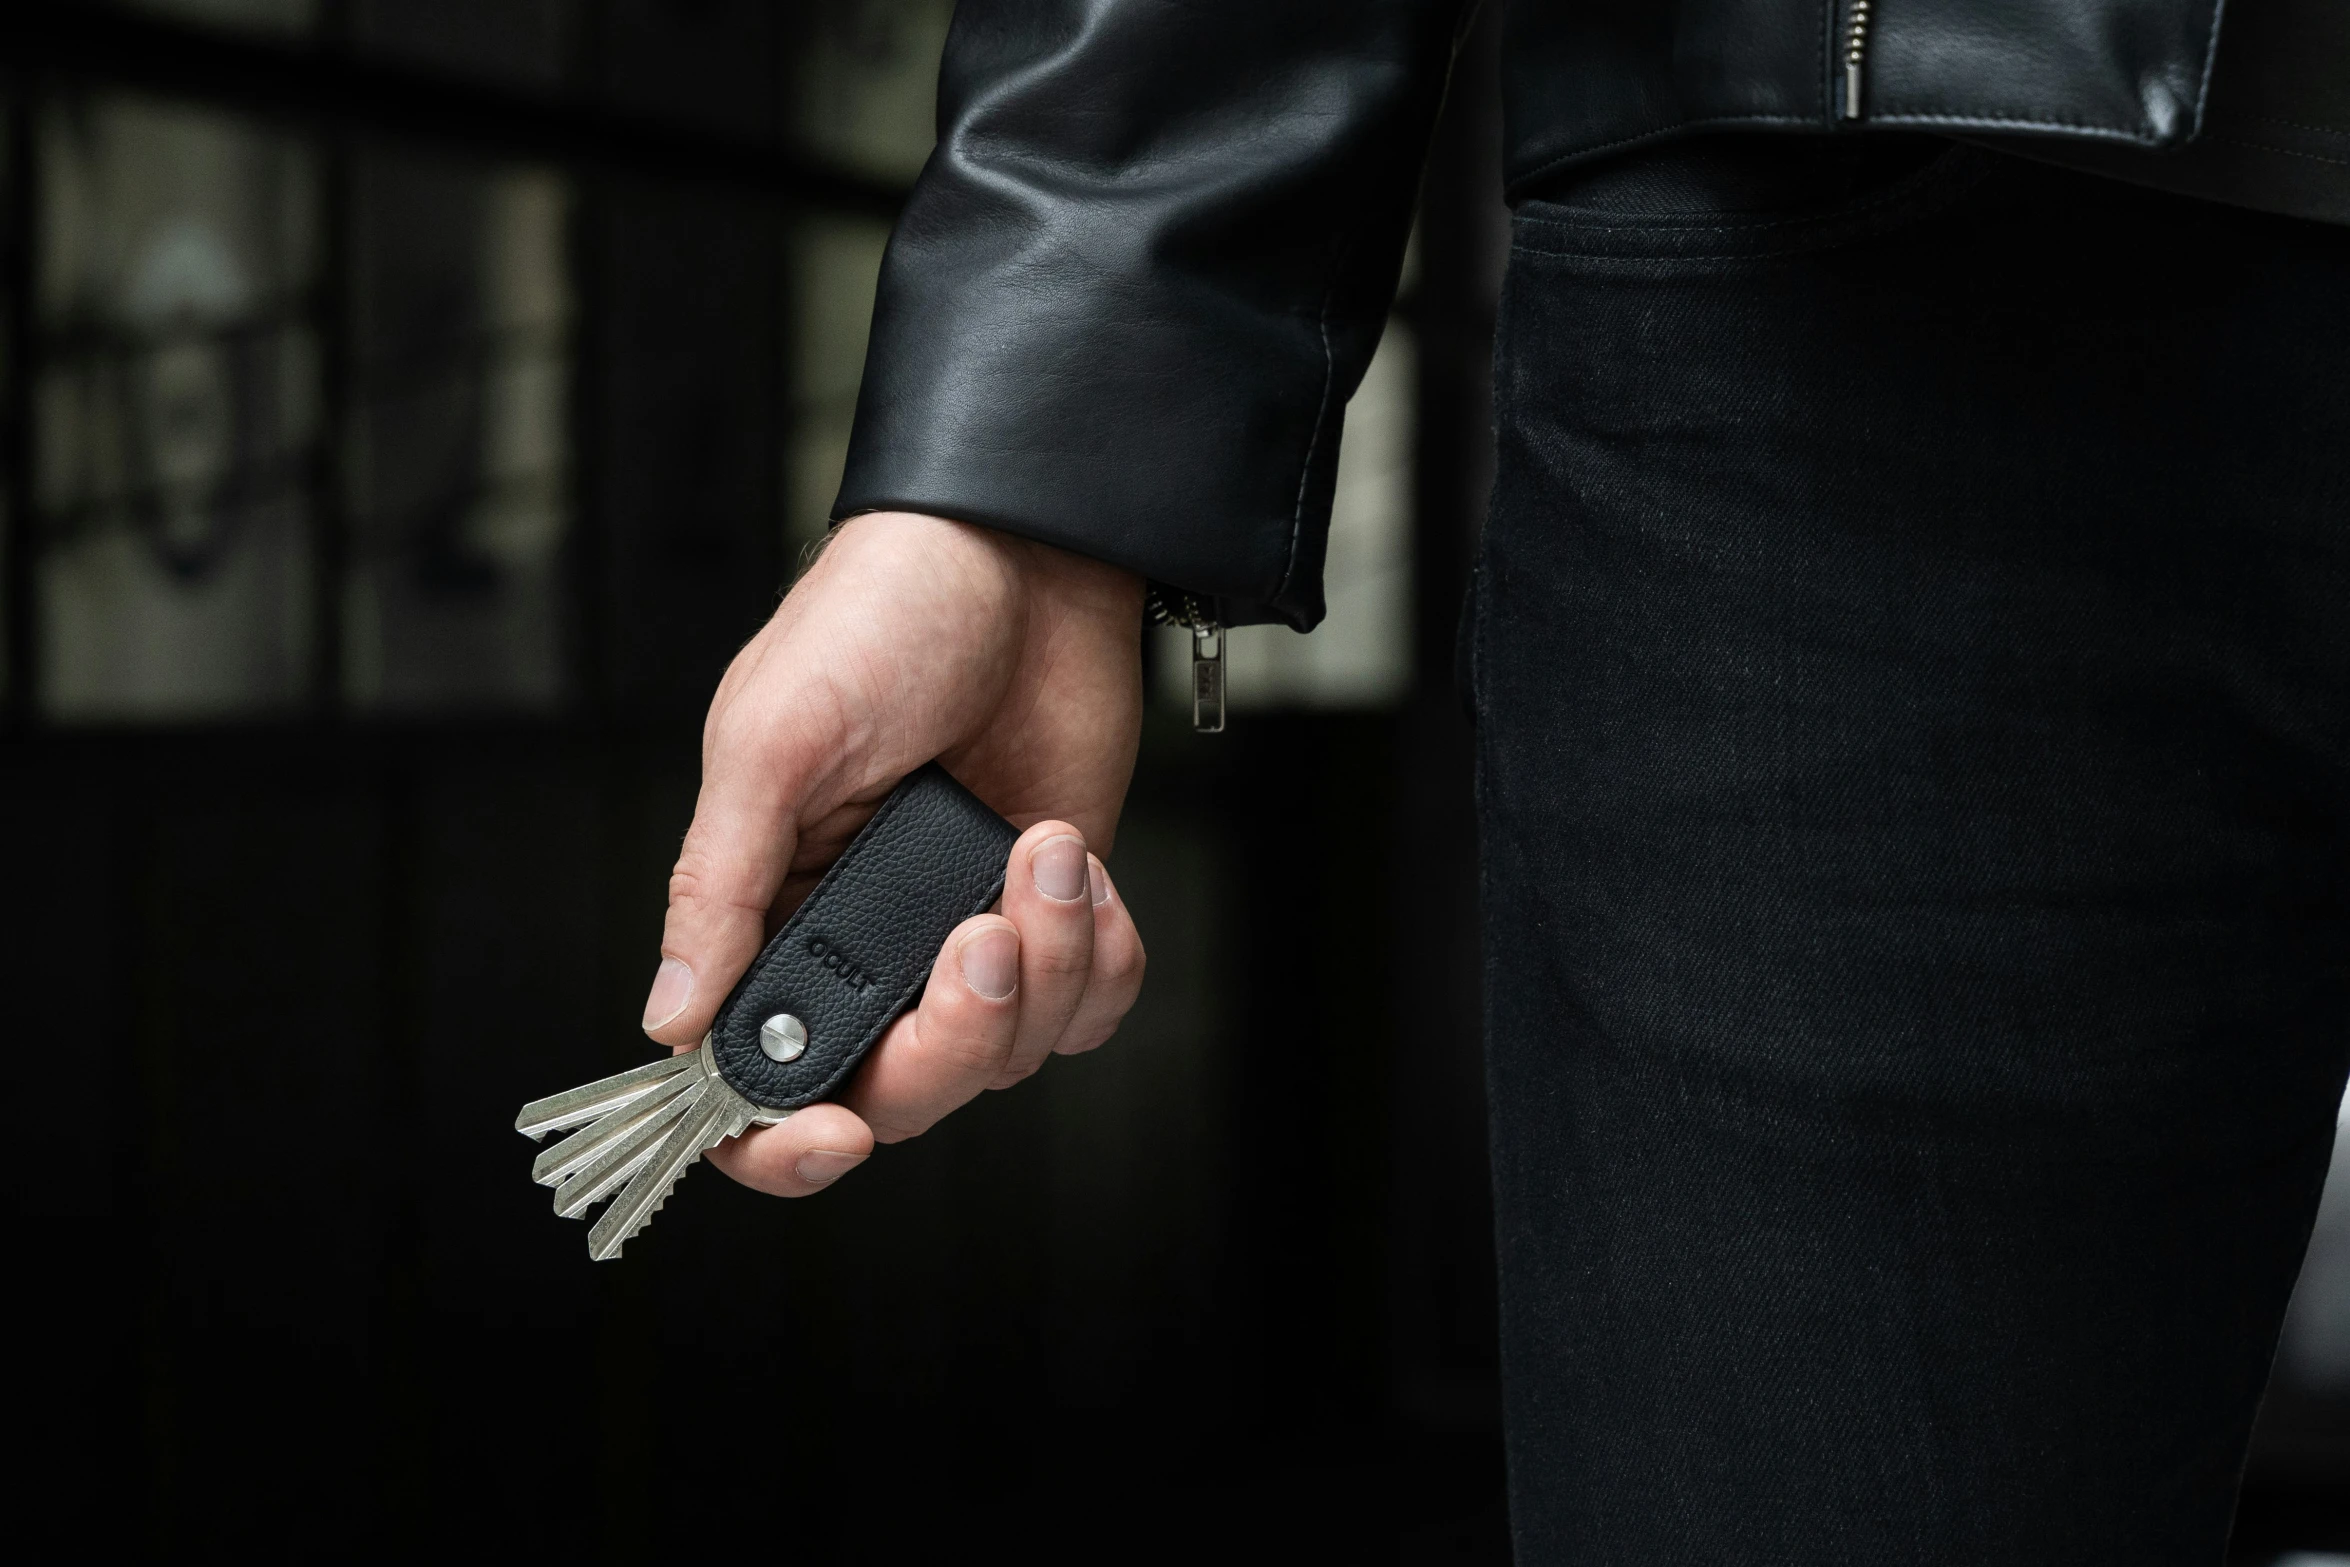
(1207, 678)
(1172, 607)
(1856, 49)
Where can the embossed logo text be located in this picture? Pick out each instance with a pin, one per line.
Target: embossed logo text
(840, 963)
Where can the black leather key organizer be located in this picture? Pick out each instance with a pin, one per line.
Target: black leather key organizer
(858, 952)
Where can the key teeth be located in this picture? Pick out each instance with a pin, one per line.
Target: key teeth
(701, 1129)
(643, 1219)
(659, 1203)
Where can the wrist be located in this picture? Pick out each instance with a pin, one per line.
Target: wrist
(999, 570)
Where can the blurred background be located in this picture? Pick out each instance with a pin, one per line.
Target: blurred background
(406, 408)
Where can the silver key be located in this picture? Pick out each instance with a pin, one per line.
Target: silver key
(644, 1127)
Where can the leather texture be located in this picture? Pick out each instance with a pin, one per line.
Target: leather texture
(858, 951)
(2276, 122)
(1152, 254)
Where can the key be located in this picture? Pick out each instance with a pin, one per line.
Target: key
(822, 992)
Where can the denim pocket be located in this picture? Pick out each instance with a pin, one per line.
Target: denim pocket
(1549, 228)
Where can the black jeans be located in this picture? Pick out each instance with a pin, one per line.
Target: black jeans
(1912, 658)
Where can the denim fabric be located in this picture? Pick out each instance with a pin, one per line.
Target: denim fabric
(1911, 652)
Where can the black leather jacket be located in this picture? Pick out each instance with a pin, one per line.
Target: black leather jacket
(1149, 260)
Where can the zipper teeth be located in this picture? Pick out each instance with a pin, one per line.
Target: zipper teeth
(1173, 607)
(1856, 47)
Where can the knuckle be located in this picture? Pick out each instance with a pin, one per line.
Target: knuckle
(898, 1126)
(1057, 960)
(1013, 1075)
(696, 888)
(688, 877)
(1123, 965)
(954, 1046)
(686, 896)
(693, 880)
(739, 725)
(975, 1057)
(1092, 1041)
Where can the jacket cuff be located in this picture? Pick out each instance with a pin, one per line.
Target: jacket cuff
(1142, 274)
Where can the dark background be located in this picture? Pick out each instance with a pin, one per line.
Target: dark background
(295, 931)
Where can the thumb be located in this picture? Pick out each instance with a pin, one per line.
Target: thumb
(728, 872)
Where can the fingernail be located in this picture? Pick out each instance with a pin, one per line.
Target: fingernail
(1058, 864)
(823, 1166)
(1098, 878)
(991, 963)
(673, 987)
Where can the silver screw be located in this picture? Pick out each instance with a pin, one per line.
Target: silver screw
(782, 1037)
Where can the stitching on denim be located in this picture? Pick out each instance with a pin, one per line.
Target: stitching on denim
(1946, 179)
(1862, 209)
(1518, 182)
(1904, 189)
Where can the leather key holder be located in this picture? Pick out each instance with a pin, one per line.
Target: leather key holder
(858, 952)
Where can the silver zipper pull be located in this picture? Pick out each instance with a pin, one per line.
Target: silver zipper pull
(1207, 677)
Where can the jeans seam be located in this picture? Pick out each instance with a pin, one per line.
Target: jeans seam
(1653, 133)
(1917, 194)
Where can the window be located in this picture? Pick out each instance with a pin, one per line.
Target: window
(175, 413)
(456, 450)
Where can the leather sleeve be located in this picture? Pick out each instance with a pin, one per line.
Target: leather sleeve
(1144, 270)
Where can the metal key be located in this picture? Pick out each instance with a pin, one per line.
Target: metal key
(649, 1125)
(828, 984)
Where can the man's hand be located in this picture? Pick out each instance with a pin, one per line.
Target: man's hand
(1018, 666)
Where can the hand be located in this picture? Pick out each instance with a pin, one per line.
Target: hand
(1016, 665)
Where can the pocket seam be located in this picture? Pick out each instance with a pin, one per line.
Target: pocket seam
(1608, 235)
